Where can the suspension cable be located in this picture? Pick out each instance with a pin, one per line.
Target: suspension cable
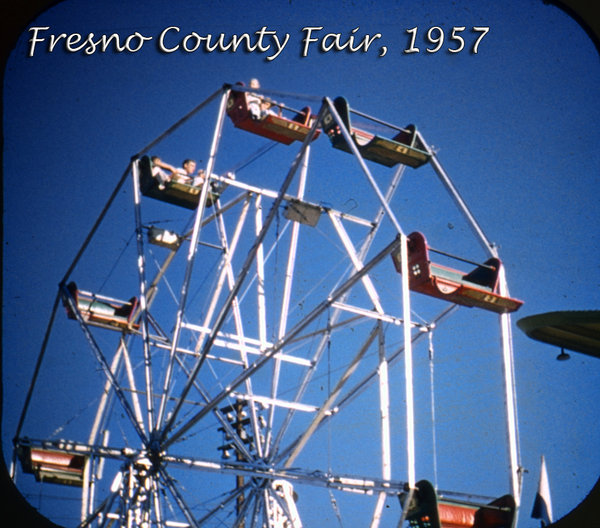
(32, 384)
(114, 266)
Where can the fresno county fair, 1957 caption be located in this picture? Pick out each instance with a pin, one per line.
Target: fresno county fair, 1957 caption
(265, 41)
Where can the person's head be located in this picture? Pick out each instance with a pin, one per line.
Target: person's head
(254, 84)
(189, 166)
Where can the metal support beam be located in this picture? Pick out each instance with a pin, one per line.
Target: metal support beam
(384, 406)
(327, 405)
(458, 200)
(290, 335)
(105, 366)
(285, 303)
(190, 258)
(408, 366)
(510, 397)
(141, 263)
(336, 312)
(244, 271)
(346, 133)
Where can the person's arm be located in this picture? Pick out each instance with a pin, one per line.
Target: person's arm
(159, 163)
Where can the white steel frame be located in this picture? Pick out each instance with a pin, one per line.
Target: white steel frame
(160, 426)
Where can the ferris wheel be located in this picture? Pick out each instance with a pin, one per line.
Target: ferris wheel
(249, 353)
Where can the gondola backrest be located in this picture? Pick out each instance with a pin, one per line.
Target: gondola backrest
(426, 510)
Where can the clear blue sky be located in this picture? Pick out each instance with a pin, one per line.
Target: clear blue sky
(515, 127)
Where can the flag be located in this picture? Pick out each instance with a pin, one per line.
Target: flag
(542, 506)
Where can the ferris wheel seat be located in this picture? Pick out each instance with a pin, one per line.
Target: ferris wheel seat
(173, 192)
(427, 510)
(101, 310)
(163, 238)
(405, 147)
(271, 125)
(477, 288)
(302, 212)
(48, 465)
